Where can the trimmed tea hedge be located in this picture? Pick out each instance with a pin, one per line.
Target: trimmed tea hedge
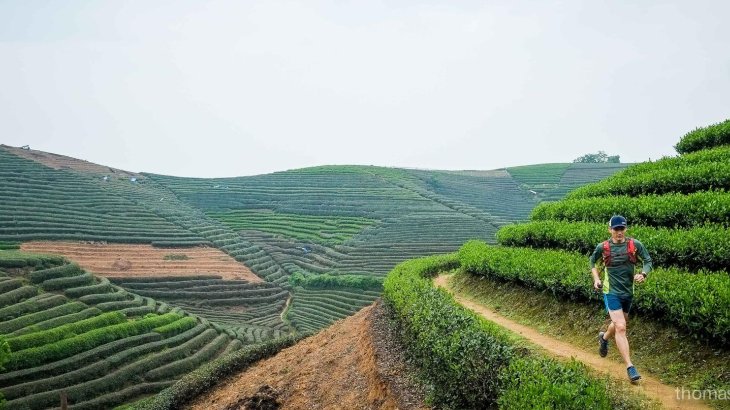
(703, 247)
(49, 336)
(336, 281)
(86, 341)
(543, 383)
(706, 137)
(670, 210)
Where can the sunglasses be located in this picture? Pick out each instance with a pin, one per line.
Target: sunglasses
(619, 228)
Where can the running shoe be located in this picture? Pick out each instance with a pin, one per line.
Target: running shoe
(633, 373)
(602, 345)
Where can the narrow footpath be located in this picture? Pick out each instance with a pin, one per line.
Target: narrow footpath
(650, 386)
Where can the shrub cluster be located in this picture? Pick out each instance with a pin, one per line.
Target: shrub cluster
(68, 282)
(670, 210)
(670, 294)
(63, 271)
(9, 246)
(17, 259)
(336, 281)
(542, 383)
(43, 337)
(702, 247)
(16, 295)
(706, 137)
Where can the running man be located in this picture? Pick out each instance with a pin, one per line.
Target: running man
(619, 255)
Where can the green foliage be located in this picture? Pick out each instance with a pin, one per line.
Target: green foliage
(77, 344)
(63, 271)
(597, 158)
(4, 352)
(18, 259)
(541, 383)
(176, 257)
(322, 229)
(336, 281)
(9, 326)
(458, 353)
(17, 295)
(702, 247)
(68, 282)
(34, 304)
(66, 331)
(9, 245)
(538, 174)
(670, 210)
(704, 138)
(203, 379)
(177, 326)
(697, 302)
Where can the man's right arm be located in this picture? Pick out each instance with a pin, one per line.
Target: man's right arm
(597, 254)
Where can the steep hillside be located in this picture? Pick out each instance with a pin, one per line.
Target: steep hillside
(74, 333)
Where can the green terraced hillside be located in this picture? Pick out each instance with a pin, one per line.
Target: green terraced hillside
(248, 311)
(551, 182)
(38, 202)
(69, 331)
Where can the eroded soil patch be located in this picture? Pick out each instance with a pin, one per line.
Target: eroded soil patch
(121, 260)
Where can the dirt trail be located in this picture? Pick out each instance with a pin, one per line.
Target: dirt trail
(650, 386)
(286, 307)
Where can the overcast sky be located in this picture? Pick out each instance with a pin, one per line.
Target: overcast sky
(225, 88)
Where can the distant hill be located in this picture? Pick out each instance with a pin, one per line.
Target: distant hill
(339, 220)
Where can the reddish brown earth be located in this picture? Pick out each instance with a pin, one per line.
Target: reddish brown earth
(56, 161)
(341, 367)
(121, 260)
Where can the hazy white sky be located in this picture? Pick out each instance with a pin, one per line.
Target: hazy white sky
(224, 88)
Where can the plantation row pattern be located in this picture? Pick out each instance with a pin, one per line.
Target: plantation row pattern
(72, 332)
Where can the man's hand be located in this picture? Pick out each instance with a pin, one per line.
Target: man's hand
(597, 285)
(639, 277)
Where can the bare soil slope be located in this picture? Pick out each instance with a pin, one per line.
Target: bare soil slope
(121, 260)
(343, 367)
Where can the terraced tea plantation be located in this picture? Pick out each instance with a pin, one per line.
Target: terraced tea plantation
(677, 207)
(245, 310)
(69, 331)
(37, 202)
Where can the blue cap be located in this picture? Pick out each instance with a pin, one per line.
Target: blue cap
(616, 221)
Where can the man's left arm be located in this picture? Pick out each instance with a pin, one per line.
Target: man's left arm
(645, 259)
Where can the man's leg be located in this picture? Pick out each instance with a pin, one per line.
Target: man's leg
(612, 329)
(617, 330)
